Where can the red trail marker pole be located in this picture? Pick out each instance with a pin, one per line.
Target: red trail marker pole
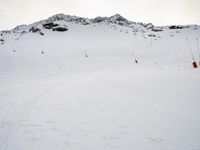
(194, 62)
(198, 49)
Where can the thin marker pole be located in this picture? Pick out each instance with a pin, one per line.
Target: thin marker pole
(198, 48)
(134, 57)
(190, 49)
(132, 51)
(193, 63)
(86, 54)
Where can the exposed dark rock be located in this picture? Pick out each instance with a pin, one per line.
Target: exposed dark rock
(152, 35)
(176, 27)
(60, 29)
(148, 26)
(99, 19)
(55, 27)
(36, 30)
(85, 22)
(67, 18)
(156, 30)
(6, 32)
(50, 25)
(23, 32)
(2, 41)
(118, 19)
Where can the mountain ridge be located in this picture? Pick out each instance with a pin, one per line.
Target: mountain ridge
(62, 23)
(114, 19)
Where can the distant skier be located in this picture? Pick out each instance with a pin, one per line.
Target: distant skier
(42, 52)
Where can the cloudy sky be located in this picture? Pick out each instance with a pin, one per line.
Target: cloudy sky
(159, 12)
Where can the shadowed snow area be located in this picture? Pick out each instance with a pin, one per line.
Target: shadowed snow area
(70, 83)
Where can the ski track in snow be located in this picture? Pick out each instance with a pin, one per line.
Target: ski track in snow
(80, 113)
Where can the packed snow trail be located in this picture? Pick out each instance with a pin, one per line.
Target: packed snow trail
(101, 111)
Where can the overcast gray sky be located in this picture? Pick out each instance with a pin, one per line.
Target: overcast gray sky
(159, 12)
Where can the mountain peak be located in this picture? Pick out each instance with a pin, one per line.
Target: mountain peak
(57, 17)
(114, 18)
(118, 19)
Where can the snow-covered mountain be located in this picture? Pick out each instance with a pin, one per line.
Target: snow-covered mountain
(71, 36)
(72, 83)
(59, 23)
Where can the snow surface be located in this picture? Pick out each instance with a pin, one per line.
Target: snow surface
(62, 100)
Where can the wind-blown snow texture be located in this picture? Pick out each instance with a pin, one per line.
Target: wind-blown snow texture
(53, 97)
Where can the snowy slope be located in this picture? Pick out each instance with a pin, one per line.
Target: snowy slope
(111, 37)
(54, 97)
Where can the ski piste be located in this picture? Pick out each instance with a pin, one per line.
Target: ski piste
(59, 100)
